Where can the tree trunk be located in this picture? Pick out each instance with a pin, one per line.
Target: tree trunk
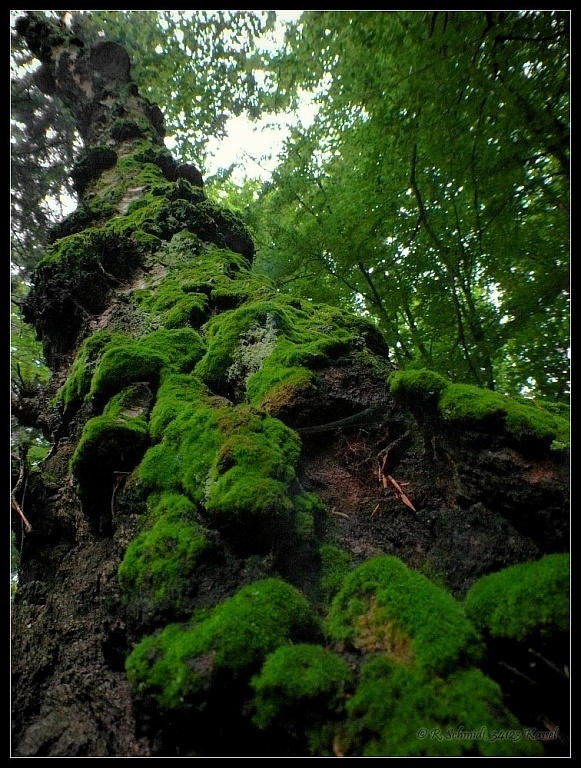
(224, 459)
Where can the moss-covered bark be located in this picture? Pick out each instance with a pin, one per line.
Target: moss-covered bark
(186, 587)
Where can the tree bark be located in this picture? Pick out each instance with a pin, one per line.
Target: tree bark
(165, 395)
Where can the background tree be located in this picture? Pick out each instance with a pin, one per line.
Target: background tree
(431, 192)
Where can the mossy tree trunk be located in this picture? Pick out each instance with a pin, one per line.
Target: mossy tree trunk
(222, 458)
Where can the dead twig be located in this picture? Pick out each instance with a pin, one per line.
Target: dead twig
(16, 506)
(388, 481)
(549, 663)
(13, 503)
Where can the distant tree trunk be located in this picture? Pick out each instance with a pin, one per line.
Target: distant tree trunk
(209, 434)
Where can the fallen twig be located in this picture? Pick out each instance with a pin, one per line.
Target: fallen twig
(15, 505)
(388, 481)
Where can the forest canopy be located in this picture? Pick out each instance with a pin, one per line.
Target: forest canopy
(429, 193)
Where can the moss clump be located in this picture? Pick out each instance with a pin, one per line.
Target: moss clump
(168, 208)
(78, 384)
(308, 510)
(417, 386)
(335, 566)
(94, 249)
(523, 602)
(399, 712)
(302, 688)
(112, 442)
(158, 568)
(189, 310)
(121, 365)
(179, 666)
(144, 359)
(177, 394)
(268, 346)
(203, 279)
(254, 466)
(462, 402)
(86, 215)
(465, 403)
(73, 280)
(124, 130)
(91, 165)
(237, 462)
(384, 607)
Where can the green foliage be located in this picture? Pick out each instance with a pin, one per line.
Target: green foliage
(524, 601)
(27, 362)
(200, 67)
(429, 194)
(178, 666)
(411, 224)
(384, 607)
(399, 712)
(431, 190)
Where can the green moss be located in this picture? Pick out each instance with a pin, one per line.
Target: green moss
(176, 394)
(469, 404)
(191, 309)
(160, 563)
(302, 689)
(179, 666)
(112, 442)
(269, 347)
(92, 249)
(237, 461)
(78, 384)
(93, 161)
(201, 280)
(462, 402)
(308, 511)
(254, 466)
(174, 306)
(524, 601)
(121, 365)
(385, 607)
(335, 565)
(124, 130)
(86, 215)
(417, 386)
(523, 420)
(144, 359)
(398, 712)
